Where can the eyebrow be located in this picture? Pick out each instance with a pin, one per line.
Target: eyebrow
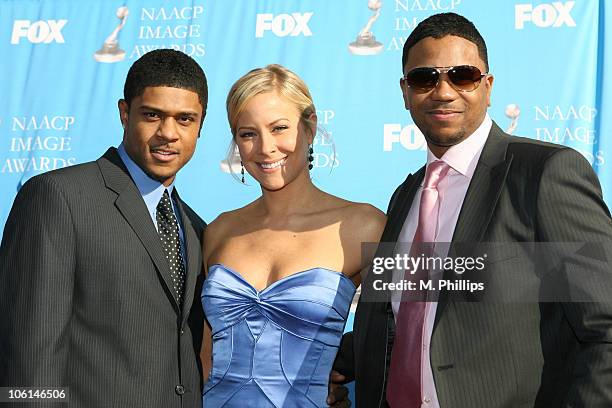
(277, 120)
(269, 124)
(158, 110)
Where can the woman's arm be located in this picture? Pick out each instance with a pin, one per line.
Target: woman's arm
(206, 349)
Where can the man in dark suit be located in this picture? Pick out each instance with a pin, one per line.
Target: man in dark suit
(482, 185)
(99, 261)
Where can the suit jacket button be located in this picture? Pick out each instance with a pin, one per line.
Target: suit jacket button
(182, 332)
(179, 389)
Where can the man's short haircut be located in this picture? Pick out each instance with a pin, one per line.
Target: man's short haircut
(166, 67)
(441, 25)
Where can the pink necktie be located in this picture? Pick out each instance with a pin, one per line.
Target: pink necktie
(404, 385)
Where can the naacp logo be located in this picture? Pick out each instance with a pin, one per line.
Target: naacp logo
(427, 5)
(39, 143)
(325, 154)
(409, 13)
(570, 125)
(42, 31)
(544, 15)
(176, 28)
(110, 51)
(284, 25)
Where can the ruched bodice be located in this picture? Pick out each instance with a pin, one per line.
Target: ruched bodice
(275, 347)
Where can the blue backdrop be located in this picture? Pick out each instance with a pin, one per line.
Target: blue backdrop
(65, 61)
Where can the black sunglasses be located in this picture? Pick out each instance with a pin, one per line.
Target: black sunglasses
(463, 78)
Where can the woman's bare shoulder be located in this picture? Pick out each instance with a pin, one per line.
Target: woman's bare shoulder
(358, 223)
(361, 220)
(366, 222)
(226, 224)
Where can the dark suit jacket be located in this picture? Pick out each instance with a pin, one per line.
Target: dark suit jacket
(85, 299)
(504, 355)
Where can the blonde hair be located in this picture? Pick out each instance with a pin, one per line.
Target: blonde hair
(271, 78)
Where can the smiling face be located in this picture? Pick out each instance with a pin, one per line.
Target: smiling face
(161, 128)
(444, 115)
(273, 141)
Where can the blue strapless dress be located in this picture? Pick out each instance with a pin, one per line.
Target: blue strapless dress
(274, 348)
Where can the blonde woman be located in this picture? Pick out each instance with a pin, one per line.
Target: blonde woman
(281, 271)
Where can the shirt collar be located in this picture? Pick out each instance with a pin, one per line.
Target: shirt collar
(464, 156)
(151, 190)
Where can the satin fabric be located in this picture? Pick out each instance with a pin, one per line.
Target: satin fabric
(275, 347)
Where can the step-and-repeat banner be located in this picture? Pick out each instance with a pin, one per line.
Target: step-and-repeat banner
(64, 63)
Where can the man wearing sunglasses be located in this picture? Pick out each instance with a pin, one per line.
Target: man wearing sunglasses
(482, 185)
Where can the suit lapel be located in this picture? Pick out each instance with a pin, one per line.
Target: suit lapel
(193, 261)
(481, 198)
(401, 206)
(130, 204)
(397, 212)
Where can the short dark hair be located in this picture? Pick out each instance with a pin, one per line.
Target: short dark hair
(441, 25)
(166, 67)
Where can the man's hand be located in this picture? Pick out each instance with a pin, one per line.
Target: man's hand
(338, 393)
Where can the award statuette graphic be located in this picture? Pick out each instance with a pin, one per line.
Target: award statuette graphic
(231, 164)
(110, 51)
(512, 111)
(366, 43)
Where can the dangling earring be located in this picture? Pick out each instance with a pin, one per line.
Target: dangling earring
(242, 171)
(310, 158)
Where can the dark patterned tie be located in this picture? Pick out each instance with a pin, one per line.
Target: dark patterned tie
(168, 230)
